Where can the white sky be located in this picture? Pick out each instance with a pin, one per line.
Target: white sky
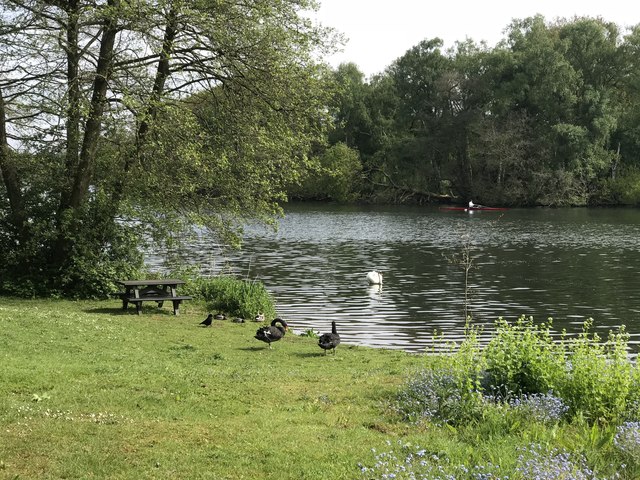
(381, 31)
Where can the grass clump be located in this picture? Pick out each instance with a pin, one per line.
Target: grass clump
(234, 296)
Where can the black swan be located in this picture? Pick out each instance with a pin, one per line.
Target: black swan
(207, 321)
(329, 341)
(272, 333)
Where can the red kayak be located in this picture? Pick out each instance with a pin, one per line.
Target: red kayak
(478, 207)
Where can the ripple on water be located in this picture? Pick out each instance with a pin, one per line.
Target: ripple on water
(569, 264)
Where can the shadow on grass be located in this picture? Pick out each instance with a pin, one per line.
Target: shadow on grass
(254, 349)
(130, 311)
(309, 354)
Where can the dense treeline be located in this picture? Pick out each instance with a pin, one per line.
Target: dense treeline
(124, 124)
(547, 117)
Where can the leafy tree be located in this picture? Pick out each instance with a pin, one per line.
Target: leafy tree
(129, 120)
(337, 176)
(352, 122)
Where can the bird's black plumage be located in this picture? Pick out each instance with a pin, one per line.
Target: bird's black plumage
(207, 321)
(329, 341)
(272, 333)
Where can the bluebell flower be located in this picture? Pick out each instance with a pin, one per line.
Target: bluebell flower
(627, 439)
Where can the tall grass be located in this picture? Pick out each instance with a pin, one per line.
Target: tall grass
(234, 296)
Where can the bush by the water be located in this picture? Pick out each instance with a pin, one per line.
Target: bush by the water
(527, 382)
(524, 368)
(234, 296)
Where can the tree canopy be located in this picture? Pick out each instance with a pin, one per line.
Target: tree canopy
(124, 121)
(546, 117)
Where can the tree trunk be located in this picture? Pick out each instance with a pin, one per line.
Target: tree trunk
(80, 176)
(162, 74)
(73, 87)
(10, 176)
(84, 171)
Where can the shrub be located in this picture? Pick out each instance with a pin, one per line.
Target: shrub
(237, 297)
(522, 365)
(539, 464)
(593, 378)
(407, 461)
(598, 377)
(449, 391)
(522, 358)
(93, 251)
(442, 396)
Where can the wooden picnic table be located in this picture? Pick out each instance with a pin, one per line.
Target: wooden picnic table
(160, 291)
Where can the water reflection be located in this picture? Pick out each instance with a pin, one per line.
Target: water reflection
(569, 264)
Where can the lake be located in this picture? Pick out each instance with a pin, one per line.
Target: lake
(568, 264)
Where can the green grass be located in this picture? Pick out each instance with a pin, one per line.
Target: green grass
(90, 391)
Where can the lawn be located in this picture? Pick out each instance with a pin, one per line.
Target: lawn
(90, 391)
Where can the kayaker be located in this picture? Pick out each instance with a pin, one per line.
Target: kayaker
(471, 204)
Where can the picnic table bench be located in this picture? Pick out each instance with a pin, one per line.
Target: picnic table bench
(159, 291)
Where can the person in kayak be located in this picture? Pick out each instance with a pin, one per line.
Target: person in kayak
(471, 204)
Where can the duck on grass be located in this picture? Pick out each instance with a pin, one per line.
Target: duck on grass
(329, 341)
(273, 332)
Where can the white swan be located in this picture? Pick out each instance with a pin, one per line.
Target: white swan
(374, 278)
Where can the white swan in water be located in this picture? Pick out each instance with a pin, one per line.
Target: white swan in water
(374, 278)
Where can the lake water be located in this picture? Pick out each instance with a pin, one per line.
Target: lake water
(569, 264)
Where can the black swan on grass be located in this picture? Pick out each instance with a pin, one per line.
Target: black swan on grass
(329, 341)
(272, 333)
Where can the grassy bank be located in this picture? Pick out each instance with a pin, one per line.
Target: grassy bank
(89, 391)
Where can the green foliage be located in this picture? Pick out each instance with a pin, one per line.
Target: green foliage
(523, 358)
(215, 148)
(598, 378)
(624, 189)
(337, 177)
(102, 250)
(235, 297)
(526, 367)
(544, 118)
